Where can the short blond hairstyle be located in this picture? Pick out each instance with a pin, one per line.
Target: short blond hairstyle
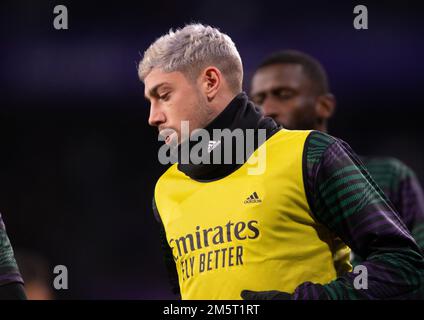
(191, 49)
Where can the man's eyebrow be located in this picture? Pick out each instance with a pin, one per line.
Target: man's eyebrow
(282, 87)
(273, 89)
(153, 92)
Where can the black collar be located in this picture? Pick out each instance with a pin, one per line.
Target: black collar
(239, 114)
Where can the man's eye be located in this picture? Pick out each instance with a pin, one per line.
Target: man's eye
(283, 94)
(164, 97)
(258, 99)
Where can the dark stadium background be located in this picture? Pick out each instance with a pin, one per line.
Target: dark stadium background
(78, 161)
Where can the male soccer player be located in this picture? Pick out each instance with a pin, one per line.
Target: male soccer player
(231, 232)
(11, 287)
(292, 88)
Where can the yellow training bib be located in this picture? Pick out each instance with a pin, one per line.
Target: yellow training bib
(247, 231)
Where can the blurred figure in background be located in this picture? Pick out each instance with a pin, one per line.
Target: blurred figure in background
(35, 272)
(11, 283)
(292, 88)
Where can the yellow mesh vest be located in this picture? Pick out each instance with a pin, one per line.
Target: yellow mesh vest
(247, 231)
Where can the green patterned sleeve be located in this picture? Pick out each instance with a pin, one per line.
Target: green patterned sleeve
(9, 271)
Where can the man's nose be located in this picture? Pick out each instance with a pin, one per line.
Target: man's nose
(156, 116)
(269, 107)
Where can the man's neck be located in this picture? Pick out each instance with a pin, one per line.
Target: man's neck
(221, 101)
(322, 128)
(239, 113)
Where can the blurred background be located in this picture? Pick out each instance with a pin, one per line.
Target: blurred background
(78, 161)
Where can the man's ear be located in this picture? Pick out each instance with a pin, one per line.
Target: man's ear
(325, 106)
(211, 79)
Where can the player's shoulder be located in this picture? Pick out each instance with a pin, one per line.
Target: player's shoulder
(171, 171)
(317, 143)
(162, 187)
(309, 136)
(2, 226)
(321, 138)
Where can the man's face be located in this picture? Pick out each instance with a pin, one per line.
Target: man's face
(173, 99)
(286, 95)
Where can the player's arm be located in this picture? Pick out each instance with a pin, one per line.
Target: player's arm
(343, 197)
(167, 254)
(411, 204)
(10, 279)
(404, 190)
(12, 291)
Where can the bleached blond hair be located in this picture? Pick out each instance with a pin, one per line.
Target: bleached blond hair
(190, 50)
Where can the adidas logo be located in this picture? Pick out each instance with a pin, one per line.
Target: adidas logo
(253, 198)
